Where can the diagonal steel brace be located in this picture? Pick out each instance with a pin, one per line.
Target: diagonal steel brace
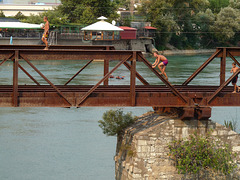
(222, 86)
(45, 78)
(104, 78)
(167, 83)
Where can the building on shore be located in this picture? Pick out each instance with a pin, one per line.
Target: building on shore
(122, 38)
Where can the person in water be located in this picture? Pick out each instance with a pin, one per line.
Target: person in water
(46, 32)
(234, 81)
(162, 62)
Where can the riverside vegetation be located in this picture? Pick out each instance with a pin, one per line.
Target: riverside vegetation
(115, 121)
(194, 155)
(199, 153)
(184, 24)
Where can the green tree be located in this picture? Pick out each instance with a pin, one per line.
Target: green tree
(184, 14)
(122, 3)
(75, 9)
(87, 16)
(34, 19)
(175, 20)
(216, 5)
(115, 121)
(20, 15)
(2, 14)
(234, 4)
(161, 16)
(226, 24)
(199, 153)
(204, 20)
(54, 17)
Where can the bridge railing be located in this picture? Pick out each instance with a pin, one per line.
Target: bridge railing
(191, 102)
(222, 53)
(127, 58)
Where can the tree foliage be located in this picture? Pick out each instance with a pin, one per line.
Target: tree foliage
(188, 24)
(115, 121)
(54, 17)
(205, 20)
(227, 24)
(87, 11)
(185, 24)
(20, 15)
(199, 153)
(161, 16)
(2, 14)
(216, 5)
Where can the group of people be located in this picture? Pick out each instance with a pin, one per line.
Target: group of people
(161, 61)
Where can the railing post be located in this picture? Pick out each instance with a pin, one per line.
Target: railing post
(106, 70)
(133, 80)
(15, 79)
(223, 66)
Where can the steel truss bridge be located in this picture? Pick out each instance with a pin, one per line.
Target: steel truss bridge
(192, 100)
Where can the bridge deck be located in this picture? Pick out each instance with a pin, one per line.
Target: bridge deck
(116, 95)
(195, 101)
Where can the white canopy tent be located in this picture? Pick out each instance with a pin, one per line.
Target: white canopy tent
(18, 25)
(99, 30)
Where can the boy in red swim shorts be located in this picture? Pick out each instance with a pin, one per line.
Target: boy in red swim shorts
(234, 81)
(162, 65)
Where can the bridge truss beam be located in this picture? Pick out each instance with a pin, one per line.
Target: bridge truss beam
(193, 101)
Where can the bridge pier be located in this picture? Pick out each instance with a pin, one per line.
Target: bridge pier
(185, 113)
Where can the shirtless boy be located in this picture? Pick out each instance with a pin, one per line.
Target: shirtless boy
(234, 81)
(46, 32)
(162, 60)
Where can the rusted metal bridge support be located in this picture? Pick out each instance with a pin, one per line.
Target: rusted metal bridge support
(15, 79)
(186, 113)
(133, 80)
(188, 101)
(223, 66)
(106, 70)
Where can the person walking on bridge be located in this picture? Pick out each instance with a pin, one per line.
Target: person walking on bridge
(162, 62)
(234, 81)
(46, 32)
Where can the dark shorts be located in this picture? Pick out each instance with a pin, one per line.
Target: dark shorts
(234, 81)
(165, 62)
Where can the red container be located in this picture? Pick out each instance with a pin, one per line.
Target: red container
(128, 33)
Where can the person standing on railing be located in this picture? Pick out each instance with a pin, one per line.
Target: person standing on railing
(234, 81)
(162, 65)
(46, 32)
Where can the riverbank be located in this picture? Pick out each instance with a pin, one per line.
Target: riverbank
(188, 52)
(183, 52)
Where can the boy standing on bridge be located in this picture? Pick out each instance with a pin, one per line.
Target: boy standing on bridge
(162, 65)
(234, 81)
(46, 32)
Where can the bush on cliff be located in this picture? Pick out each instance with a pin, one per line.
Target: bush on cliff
(199, 153)
(115, 121)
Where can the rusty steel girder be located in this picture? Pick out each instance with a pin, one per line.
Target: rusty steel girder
(56, 47)
(191, 101)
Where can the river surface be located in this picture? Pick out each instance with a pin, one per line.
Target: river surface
(66, 143)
